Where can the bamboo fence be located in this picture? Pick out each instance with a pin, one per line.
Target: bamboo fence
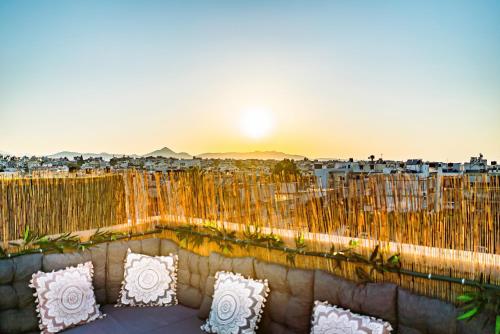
(439, 225)
(449, 212)
(52, 205)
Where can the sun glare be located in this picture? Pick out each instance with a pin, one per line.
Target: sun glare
(256, 123)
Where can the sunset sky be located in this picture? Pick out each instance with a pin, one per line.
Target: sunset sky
(332, 79)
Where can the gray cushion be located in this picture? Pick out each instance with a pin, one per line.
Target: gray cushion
(17, 304)
(150, 246)
(168, 247)
(373, 299)
(192, 275)
(7, 270)
(218, 262)
(289, 304)
(96, 254)
(483, 323)
(138, 320)
(419, 314)
(423, 315)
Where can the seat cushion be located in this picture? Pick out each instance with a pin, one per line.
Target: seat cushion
(17, 303)
(424, 315)
(192, 274)
(176, 319)
(374, 299)
(290, 301)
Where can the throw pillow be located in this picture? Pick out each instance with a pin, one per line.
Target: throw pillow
(328, 319)
(149, 280)
(65, 298)
(237, 304)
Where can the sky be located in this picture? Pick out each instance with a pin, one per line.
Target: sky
(338, 79)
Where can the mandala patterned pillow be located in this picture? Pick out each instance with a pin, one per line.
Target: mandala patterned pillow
(149, 280)
(237, 304)
(65, 298)
(328, 319)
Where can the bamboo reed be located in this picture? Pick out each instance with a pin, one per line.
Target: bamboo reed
(440, 225)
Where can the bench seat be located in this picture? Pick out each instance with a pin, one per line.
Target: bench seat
(176, 319)
(287, 310)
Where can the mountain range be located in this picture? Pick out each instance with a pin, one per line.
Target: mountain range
(70, 155)
(168, 153)
(262, 155)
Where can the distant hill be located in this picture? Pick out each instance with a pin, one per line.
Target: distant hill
(70, 155)
(164, 152)
(168, 153)
(263, 155)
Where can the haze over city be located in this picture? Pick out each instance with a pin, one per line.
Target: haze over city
(322, 79)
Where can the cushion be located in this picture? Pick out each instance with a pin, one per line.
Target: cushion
(166, 247)
(117, 252)
(149, 280)
(216, 263)
(175, 319)
(422, 315)
(483, 323)
(65, 298)
(192, 276)
(289, 305)
(237, 304)
(329, 319)
(96, 254)
(374, 299)
(17, 303)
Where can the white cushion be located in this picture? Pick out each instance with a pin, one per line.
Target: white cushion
(330, 319)
(149, 280)
(237, 304)
(65, 298)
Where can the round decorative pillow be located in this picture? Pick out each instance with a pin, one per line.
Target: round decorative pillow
(237, 304)
(65, 298)
(149, 280)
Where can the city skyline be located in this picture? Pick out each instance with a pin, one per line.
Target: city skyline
(321, 79)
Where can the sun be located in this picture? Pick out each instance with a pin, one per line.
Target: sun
(256, 123)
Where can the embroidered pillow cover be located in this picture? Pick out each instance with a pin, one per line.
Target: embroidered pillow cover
(328, 319)
(149, 280)
(65, 298)
(237, 304)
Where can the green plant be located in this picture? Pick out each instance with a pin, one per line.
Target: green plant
(58, 244)
(376, 261)
(100, 237)
(187, 237)
(475, 302)
(256, 236)
(31, 242)
(300, 247)
(223, 237)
